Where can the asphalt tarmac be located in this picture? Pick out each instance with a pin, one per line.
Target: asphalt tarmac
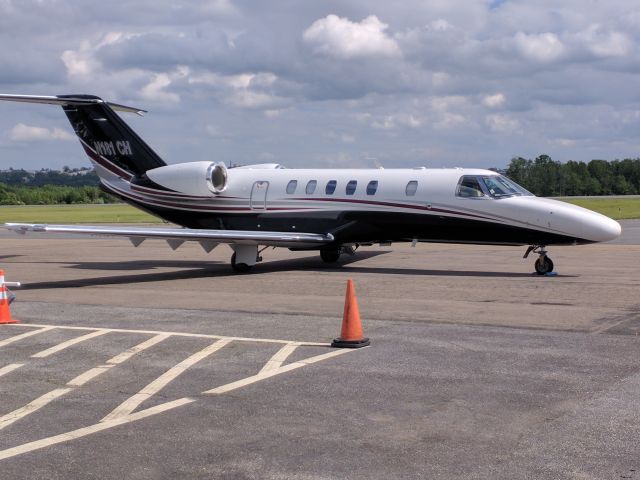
(149, 363)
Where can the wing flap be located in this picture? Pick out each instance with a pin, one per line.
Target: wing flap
(175, 235)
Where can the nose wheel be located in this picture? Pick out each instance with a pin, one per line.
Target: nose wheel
(543, 264)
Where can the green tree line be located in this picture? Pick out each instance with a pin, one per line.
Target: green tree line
(51, 195)
(543, 176)
(78, 177)
(51, 187)
(549, 178)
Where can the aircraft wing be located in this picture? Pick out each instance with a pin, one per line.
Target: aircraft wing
(175, 237)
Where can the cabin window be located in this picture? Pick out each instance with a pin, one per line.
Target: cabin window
(411, 189)
(351, 187)
(311, 187)
(331, 187)
(291, 186)
(372, 186)
(469, 186)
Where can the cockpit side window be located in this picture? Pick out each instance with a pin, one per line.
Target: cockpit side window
(499, 186)
(469, 187)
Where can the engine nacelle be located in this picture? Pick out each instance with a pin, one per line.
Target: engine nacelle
(192, 178)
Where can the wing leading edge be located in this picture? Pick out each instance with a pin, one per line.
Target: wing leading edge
(176, 236)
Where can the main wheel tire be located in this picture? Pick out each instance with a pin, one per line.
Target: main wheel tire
(239, 267)
(543, 265)
(330, 255)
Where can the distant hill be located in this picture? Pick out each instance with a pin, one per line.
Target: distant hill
(50, 187)
(77, 177)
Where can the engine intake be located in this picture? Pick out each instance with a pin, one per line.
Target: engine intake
(217, 177)
(192, 178)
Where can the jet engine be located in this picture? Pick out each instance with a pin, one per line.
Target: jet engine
(192, 178)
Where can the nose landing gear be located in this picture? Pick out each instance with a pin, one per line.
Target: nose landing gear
(543, 264)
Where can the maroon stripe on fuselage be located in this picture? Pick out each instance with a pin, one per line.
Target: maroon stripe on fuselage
(181, 206)
(396, 205)
(103, 162)
(163, 193)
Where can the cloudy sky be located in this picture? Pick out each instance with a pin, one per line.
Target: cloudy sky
(352, 83)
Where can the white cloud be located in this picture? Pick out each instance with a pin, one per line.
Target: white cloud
(246, 90)
(464, 76)
(389, 122)
(215, 131)
(224, 7)
(543, 47)
(83, 62)
(604, 43)
(154, 91)
(28, 133)
(273, 113)
(78, 62)
(448, 102)
(494, 101)
(440, 25)
(502, 123)
(564, 142)
(341, 38)
(343, 137)
(440, 79)
(450, 120)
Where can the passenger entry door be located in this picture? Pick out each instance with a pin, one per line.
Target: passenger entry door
(259, 195)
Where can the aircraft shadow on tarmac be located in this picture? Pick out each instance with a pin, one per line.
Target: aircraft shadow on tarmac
(214, 269)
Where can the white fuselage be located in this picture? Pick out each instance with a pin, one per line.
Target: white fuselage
(264, 193)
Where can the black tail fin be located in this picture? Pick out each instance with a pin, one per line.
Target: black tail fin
(109, 142)
(106, 138)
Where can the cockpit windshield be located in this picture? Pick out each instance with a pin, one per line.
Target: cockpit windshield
(496, 186)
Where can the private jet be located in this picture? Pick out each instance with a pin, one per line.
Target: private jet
(333, 211)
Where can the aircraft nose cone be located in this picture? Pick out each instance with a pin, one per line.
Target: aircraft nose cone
(603, 229)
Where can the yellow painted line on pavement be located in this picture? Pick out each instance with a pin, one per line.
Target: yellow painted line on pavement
(83, 432)
(42, 329)
(118, 359)
(127, 354)
(123, 419)
(276, 371)
(88, 375)
(178, 334)
(278, 359)
(69, 343)
(78, 381)
(10, 368)
(31, 407)
(129, 405)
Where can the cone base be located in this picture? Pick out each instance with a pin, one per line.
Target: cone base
(340, 343)
(4, 322)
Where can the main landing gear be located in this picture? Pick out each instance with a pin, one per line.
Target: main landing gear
(543, 264)
(332, 254)
(245, 257)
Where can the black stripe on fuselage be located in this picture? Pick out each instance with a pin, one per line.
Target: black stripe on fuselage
(354, 226)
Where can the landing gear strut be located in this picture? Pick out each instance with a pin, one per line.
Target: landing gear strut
(543, 264)
(332, 254)
(239, 267)
(244, 257)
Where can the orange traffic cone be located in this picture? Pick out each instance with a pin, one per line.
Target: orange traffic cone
(5, 313)
(351, 335)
